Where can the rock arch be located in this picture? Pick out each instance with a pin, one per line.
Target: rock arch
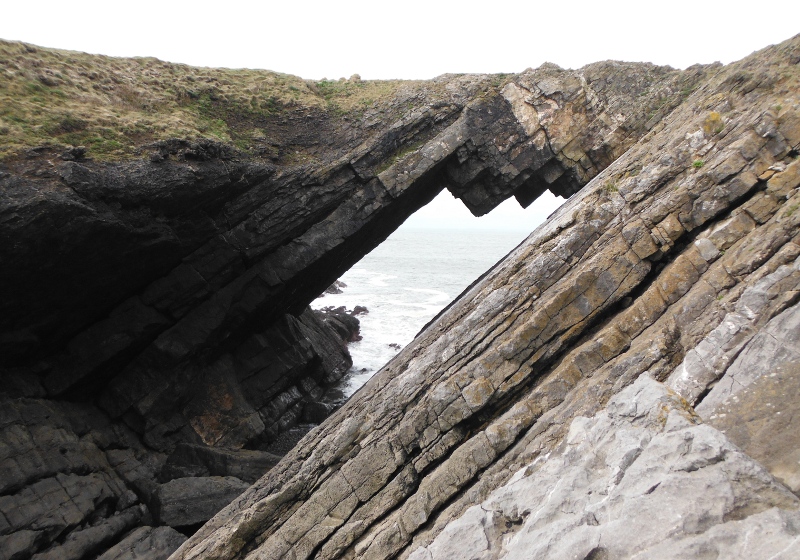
(190, 272)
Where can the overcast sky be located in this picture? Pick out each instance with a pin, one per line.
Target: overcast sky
(407, 39)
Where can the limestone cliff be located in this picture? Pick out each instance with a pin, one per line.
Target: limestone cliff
(154, 328)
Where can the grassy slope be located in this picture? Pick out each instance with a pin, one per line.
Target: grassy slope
(112, 105)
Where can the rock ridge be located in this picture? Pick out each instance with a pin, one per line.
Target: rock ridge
(157, 334)
(628, 276)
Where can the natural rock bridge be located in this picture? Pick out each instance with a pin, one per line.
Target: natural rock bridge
(171, 293)
(198, 266)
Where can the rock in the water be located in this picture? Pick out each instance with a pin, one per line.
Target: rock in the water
(343, 321)
(335, 288)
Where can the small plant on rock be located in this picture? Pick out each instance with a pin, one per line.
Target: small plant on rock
(713, 124)
(698, 163)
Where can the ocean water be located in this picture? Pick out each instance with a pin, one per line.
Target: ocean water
(404, 283)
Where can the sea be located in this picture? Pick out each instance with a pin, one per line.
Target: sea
(404, 283)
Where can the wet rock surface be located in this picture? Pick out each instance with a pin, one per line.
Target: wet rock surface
(156, 345)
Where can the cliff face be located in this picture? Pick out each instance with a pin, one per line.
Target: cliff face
(677, 266)
(156, 327)
(152, 284)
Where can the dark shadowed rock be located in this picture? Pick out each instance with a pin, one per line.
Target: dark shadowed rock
(317, 412)
(146, 543)
(198, 460)
(344, 323)
(188, 501)
(91, 539)
(155, 321)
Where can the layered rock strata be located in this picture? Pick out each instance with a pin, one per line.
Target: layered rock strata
(645, 452)
(219, 256)
(675, 262)
(156, 334)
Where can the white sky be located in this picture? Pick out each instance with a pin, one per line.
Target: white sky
(445, 212)
(407, 38)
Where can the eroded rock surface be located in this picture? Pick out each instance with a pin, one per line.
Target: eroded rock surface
(157, 325)
(646, 452)
(633, 273)
(183, 502)
(146, 543)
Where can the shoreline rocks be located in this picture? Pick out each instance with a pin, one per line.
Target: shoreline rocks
(657, 267)
(155, 321)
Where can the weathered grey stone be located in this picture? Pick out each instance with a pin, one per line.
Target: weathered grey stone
(754, 402)
(197, 460)
(625, 484)
(37, 442)
(769, 534)
(776, 344)
(84, 542)
(20, 544)
(193, 500)
(759, 419)
(706, 363)
(145, 543)
(57, 504)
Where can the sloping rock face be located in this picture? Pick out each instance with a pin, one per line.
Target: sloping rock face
(217, 257)
(677, 262)
(156, 333)
(648, 453)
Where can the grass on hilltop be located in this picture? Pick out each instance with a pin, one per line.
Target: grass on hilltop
(114, 105)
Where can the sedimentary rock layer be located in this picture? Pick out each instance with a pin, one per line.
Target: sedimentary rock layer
(155, 334)
(693, 229)
(217, 256)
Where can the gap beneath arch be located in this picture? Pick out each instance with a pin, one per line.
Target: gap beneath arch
(419, 269)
